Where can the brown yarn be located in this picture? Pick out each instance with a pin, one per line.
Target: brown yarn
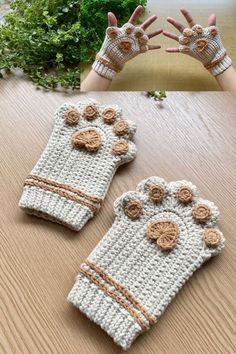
(109, 115)
(133, 209)
(211, 237)
(121, 128)
(120, 147)
(90, 112)
(139, 34)
(112, 33)
(125, 46)
(107, 63)
(202, 44)
(66, 187)
(116, 297)
(129, 29)
(156, 193)
(188, 32)
(89, 139)
(62, 193)
(198, 29)
(71, 116)
(216, 62)
(165, 232)
(142, 40)
(214, 31)
(201, 212)
(184, 194)
(106, 277)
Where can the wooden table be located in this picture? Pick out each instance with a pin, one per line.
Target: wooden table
(177, 72)
(191, 136)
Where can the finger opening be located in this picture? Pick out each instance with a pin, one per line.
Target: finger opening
(212, 20)
(172, 50)
(171, 35)
(155, 33)
(153, 47)
(112, 21)
(188, 17)
(135, 15)
(148, 22)
(176, 24)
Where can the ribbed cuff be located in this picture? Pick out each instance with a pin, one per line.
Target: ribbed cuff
(104, 311)
(103, 70)
(53, 207)
(221, 67)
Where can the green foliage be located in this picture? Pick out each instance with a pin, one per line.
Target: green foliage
(157, 95)
(94, 23)
(42, 37)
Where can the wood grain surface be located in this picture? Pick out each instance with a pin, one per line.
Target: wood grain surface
(177, 72)
(190, 136)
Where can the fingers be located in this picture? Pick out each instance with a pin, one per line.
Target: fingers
(135, 15)
(212, 20)
(155, 33)
(153, 47)
(188, 17)
(172, 50)
(176, 24)
(148, 22)
(112, 21)
(171, 35)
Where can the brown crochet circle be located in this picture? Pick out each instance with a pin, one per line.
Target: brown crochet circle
(139, 34)
(90, 112)
(125, 46)
(156, 193)
(121, 128)
(213, 31)
(113, 33)
(71, 116)
(89, 139)
(165, 232)
(188, 32)
(202, 44)
(129, 29)
(201, 212)
(184, 194)
(133, 209)
(198, 29)
(109, 115)
(211, 237)
(120, 147)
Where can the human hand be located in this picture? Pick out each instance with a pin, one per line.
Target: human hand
(203, 44)
(123, 44)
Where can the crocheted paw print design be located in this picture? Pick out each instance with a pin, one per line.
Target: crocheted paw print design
(69, 182)
(162, 233)
(120, 45)
(205, 45)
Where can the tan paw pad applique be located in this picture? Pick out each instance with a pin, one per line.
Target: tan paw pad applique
(196, 39)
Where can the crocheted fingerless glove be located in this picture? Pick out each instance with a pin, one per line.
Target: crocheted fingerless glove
(205, 45)
(120, 45)
(69, 182)
(162, 233)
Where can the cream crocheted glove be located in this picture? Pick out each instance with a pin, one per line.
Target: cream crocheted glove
(120, 45)
(69, 182)
(162, 233)
(205, 45)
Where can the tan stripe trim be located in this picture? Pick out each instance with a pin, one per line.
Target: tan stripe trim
(107, 63)
(61, 193)
(116, 297)
(214, 63)
(67, 187)
(105, 276)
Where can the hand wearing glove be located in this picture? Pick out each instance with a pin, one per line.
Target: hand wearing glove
(162, 233)
(203, 44)
(123, 44)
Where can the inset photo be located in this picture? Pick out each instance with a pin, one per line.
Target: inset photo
(167, 45)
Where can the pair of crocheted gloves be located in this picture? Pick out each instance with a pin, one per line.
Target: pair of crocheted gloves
(162, 231)
(123, 44)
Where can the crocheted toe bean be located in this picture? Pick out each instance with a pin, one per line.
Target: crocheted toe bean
(70, 181)
(205, 45)
(161, 234)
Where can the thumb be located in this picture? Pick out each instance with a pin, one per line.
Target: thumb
(112, 21)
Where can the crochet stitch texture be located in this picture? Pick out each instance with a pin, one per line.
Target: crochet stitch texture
(205, 45)
(120, 45)
(69, 182)
(146, 257)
